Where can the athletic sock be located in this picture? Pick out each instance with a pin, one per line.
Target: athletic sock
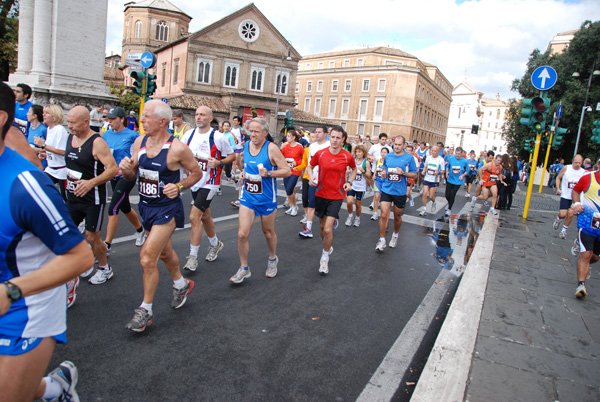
(325, 253)
(108, 245)
(53, 389)
(214, 241)
(140, 229)
(564, 229)
(382, 239)
(194, 250)
(309, 225)
(147, 306)
(104, 267)
(179, 283)
(395, 234)
(580, 283)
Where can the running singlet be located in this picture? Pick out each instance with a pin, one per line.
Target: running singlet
(258, 190)
(472, 165)
(422, 156)
(81, 165)
(35, 227)
(569, 180)
(395, 183)
(155, 174)
(179, 134)
(332, 172)
(293, 156)
(360, 181)
(589, 219)
(431, 166)
(205, 146)
(490, 176)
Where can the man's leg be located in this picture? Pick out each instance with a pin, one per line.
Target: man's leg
(196, 219)
(398, 212)
(583, 265)
(327, 231)
(268, 228)
(494, 190)
(98, 247)
(385, 207)
(152, 250)
(246, 219)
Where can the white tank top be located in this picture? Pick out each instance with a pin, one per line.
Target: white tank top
(569, 180)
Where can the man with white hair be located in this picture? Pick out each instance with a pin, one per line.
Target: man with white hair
(159, 157)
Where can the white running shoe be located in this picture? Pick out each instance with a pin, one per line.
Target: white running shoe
(357, 221)
(191, 264)
(375, 216)
(294, 211)
(380, 245)
(562, 235)
(140, 238)
(411, 202)
(213, 251)
(289, 210)
(303, 220)
(493, 211)
(433, 206)
(349, 220)
(467, 195)
(423, 213)
(556, 223)
(87, 273)
(447, 213)
(240, 275)
(473, 201)
(324, 263)
(66, 375)
(575, 249)
(394, 242)
(272, 268)
(286, 204)
(101, 276)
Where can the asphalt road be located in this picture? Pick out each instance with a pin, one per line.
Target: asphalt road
(297, 337)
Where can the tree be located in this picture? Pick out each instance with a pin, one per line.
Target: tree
(9, 35)
(583, 50)
(127, 99)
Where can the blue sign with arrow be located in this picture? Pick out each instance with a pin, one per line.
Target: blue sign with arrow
(543, 78)
(148, 60)
(559, 111)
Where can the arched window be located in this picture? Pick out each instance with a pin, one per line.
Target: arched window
(162, 31)
(137, 33)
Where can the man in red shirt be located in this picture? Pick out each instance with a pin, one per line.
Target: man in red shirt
(333, 162)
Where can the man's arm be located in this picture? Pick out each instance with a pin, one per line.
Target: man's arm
(277, 159)
(16, 141)
(183, 157)
(101, 153)
(559, 180)
(129, 166)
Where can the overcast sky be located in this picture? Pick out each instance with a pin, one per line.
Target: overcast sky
(486, 41)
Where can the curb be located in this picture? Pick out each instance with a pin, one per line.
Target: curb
(446, 373)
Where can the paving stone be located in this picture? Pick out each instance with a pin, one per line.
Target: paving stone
(558, 274)
(593, 326)
(505, 291)
(574, 391)
(560, 321)
(588, 307)
(497, 329)
(560, 343)
(558, 288)
(515, 279)
(512, 312)
(494, 382)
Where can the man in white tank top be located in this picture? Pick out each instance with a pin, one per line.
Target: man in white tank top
(565, 181)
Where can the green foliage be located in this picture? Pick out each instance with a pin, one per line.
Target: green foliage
(583, 50)
(9, 35)
(127, 99)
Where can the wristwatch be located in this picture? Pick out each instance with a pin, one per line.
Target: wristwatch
(269, 173)
(12, 291)
(180, 187)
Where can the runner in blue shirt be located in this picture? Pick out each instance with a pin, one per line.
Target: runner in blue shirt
(472, 173)
(456, 170)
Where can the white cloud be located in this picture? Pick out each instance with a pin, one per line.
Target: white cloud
(490, 39)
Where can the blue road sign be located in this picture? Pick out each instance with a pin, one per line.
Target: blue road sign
(559, 111)
(166, 100)
(543, 78)
(148, 59)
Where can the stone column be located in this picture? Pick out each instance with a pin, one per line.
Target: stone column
(42, 40)
(25, 36)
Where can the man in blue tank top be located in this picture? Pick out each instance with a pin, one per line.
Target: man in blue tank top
(158, 157)
(262, 162)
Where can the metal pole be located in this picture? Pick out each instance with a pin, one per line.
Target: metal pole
(143, 101)
(587, 92)
(532, 174)
(546, 160)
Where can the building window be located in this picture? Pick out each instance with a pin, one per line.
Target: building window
(379, 108)
(281, 82)
(162, 31)
(307, 66)
(204, 71)
(164, 75)
(348, 85)
(344, 125)
(309, 86)
(318, 106)
(381, 85)
(320, 65)
(347, 63)
(137, 33)
(366, 84)
(364, 104)
(176, 72)
(497, 114)
(257, 76)
(332, 106)
(307, 105)
(334, 86)
(360, 62)
(361, 129)
(331, 64)
(248, 31)
(345, 106)
(231, 74)
(319, 86)
(496, 127)
(377, 130)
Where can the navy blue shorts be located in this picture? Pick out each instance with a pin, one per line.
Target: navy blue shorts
(290, 184)
(356, 194)
(398, 200)
(160, 215)
(430, 184)
(564, 203)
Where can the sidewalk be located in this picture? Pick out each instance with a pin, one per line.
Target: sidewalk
(527, 338)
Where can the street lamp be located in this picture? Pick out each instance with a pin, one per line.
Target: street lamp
(585, 107)
(278, 82)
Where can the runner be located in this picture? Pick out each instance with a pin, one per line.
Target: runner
(180, 127)
(120, 139)
(565, 182)
(302, 168)
(472, 174)
(33, 315)
(409, 149)
(456, 171)
(378, 183)
(212, 151)
(90, 166)
(433, 170)
(359, 186)
(263, 163)
(491, 174)
(159, 156)
(422, 153)
(292, 152)
(397, 167)
(330, 164)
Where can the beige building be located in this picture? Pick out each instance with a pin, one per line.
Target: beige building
(561, 41)
(493, 117)
(374, 90)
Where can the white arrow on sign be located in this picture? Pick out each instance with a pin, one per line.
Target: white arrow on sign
(146, 59)
(544, 75)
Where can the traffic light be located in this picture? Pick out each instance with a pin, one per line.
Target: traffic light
(138, 83)
(546, 137)
(596, 132)
(526, 112)
(150, 85)
(539, 111)
(289, 123)
(529, 145)
(474, 129)
(558, 136)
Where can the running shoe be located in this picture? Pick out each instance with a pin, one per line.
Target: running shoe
(303, 220)
(235, 203)
(411, 202)
(375, 216)
(191, 264)
(580, 292)
(289, 210)
(589, 274)
(485, 203)
(180, 295)
(336, 223)
(66, 375)
(107, 249)
(72, 291)
(556, 223)
(423, 213)
(562, 235)
(473, 201)
(306, 233)
(214, 251)
(101, 276)
(380, 245)
(272, 268)
(433, 206)
(393, 242)
(237, 185)
(219, 191)
(286, 204)
(447, 213)
(371, 206)
(87, 273)
(294, 211)
(493, 211)
(575, 249)
(349, 220)
(357, 221)
(467, 195)
(140, 238)
(81, 227)
(141, 319)
(324, 263)
(240, 275)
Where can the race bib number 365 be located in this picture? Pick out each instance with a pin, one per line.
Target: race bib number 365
(148, 183)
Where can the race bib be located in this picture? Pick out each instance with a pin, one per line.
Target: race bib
(202, 160)
(290, 161)
(472, 168)
(148, 183)
(253, 183)
(493, 178)
(358, 177)
(393, 175)
(571, 184)
(49, 156)
(72, 177)
(596, 221)
(431, 171)
(455, 169)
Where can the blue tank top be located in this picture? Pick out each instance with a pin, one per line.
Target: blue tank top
(258, 190)
(154, 175)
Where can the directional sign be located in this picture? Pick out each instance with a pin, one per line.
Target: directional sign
(134, 56)
(289, 114)
(148, 59)
(133, 63)
(543, 78)
(166, 100)
(559, 111)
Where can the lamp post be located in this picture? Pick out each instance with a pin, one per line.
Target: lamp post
(278, 82)
(585, 106)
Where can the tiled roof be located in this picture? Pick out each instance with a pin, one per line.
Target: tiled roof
(113, 74)
(302, 116)
(193, 102)
(158, 4)
(381, 49)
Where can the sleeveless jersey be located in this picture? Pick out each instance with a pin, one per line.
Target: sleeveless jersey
(179, 134)
(214, 145)
(569, 180)
(422, 156)
(81, 165)
(154, 175)
(589, 219)
(360, 181)
(490, 176)
(258, 190)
